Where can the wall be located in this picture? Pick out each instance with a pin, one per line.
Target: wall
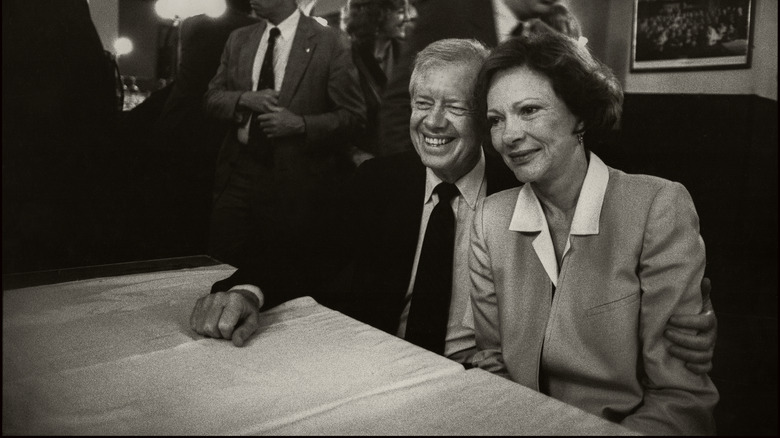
(716, 133)
(760, 79)
(139, 22)
(105, 15)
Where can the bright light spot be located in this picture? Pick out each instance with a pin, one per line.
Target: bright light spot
(215, 8)
(165, 9)
(582, 41)
(321, 20)
(123, 46)
(181, 9)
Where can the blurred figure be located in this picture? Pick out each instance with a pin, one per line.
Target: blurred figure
(59, 111)
(188, 139)
(559, 18)
(488, 21)
(377, 29)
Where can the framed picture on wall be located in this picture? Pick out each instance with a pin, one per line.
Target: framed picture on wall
(691, 34)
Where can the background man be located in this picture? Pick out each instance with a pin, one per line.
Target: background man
(290, 88)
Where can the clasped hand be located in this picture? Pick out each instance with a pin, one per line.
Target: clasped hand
(274, 120)
(230, 315)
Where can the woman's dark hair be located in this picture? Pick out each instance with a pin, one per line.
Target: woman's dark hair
(587, 87)
(366, 17)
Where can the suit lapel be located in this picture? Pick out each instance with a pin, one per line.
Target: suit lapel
(247, 55)
(303, 46)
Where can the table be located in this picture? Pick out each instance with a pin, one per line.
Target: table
(115, 355)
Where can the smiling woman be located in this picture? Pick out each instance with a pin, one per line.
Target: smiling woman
(576, 273)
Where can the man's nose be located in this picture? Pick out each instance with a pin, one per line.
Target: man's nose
(436, 117)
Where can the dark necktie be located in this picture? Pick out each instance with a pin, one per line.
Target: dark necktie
(257, 138)
(426, 325)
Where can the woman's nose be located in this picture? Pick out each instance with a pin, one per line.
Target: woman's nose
(513, 132)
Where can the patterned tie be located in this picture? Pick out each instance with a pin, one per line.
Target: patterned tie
(257, 138)
(429, 312)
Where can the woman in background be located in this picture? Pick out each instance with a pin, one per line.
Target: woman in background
(576, 273)
(377, 29)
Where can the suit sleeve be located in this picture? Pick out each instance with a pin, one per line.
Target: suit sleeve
(676, 401)
(484, 303)
(349, 108)
(220, 101)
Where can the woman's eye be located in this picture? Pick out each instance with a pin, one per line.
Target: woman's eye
(494, 121)
(528, 110)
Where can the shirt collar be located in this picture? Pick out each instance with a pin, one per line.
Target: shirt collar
(469, 184)
(286, 27)
(529, 217)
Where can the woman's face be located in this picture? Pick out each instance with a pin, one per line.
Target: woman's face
(530, 126)
(394, 24)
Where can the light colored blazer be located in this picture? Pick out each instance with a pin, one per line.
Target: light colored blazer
(634, 258)
(320, 84)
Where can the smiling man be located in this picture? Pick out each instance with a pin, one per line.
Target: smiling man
(400, 283)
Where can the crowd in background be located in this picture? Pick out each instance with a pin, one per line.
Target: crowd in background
(690, 32)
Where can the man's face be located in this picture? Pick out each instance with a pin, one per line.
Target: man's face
(266, 8)
(443, 125)
(527, 9)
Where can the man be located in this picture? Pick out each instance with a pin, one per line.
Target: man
(292, 106)
(187, 139)
(395, 202)
(488, 21)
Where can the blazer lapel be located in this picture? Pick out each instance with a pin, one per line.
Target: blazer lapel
(247, 57)
(303, 47)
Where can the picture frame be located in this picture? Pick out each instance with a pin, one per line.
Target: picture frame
(671, 35)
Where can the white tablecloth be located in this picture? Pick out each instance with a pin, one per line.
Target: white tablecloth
(116, 356)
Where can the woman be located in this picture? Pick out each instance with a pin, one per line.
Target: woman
(377, 29)
(577, 272)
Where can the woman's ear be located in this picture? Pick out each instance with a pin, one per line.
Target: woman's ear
(579, 128)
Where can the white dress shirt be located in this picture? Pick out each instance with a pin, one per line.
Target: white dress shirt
(460, 327)
(282, 48)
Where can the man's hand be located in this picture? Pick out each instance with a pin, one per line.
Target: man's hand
(281, 123)
(695, 349)
(226, 315)
(261, 101)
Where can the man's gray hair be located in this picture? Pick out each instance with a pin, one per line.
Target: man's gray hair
(447, 52)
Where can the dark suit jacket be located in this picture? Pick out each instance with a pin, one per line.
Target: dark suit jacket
(202, 41)
(320, 84)
(438, 19)
(379, 240)
(373, 82)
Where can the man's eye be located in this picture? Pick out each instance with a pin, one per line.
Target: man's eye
(422, 105)
(458, 110)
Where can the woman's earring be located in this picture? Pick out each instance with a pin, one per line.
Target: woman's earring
(580, 138)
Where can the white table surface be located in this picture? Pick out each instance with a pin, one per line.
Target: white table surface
(116, 355)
